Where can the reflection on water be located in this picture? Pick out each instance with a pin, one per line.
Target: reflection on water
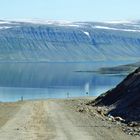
(53, 80)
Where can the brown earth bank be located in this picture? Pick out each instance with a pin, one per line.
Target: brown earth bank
(67, 119)
(123, 102)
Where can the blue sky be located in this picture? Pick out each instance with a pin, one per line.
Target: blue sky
(72, 10)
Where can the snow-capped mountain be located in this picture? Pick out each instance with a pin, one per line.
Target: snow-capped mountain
(54, 41)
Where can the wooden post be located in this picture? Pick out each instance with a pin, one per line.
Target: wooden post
(21, 98)
(67, 94)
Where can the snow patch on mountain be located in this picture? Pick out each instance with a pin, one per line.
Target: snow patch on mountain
(86, 33)
(117, 29)
(120, 22)
(5, 27)
(4, 22)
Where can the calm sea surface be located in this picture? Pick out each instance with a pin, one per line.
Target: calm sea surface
(54, 80)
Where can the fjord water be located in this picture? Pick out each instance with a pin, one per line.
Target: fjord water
(54, 80)
(25, 45)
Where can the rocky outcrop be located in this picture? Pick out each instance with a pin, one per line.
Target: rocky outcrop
(124, 99)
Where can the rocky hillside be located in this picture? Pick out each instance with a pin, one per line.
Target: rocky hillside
(35, 41)
(124, 99)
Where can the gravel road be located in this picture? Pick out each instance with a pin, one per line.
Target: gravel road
(57, 120)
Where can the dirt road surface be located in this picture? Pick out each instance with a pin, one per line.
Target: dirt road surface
(56, 120)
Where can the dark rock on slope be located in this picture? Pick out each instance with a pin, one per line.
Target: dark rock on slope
(124, 100)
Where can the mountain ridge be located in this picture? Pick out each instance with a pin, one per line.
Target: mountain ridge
(56, 41)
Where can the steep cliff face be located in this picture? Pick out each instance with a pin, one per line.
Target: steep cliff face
(69, 42)
(125, 98)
